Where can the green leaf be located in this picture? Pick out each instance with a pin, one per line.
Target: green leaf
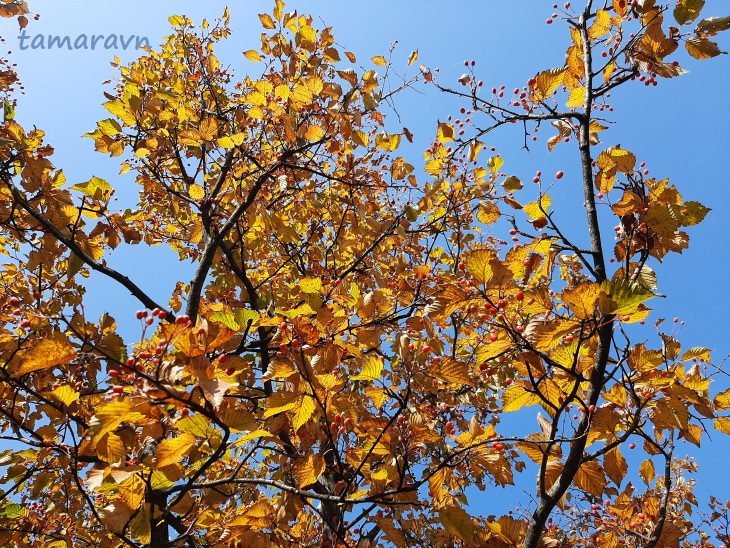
(512, 184)
(244, 316)
(687, 11)
(227, 319)
(12, 511)
(9, 110)
(622, 296)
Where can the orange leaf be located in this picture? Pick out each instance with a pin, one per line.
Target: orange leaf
(53, 350)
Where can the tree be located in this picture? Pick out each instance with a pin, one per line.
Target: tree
(337, 369)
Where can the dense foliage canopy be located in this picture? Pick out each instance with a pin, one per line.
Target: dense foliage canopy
(340, 367)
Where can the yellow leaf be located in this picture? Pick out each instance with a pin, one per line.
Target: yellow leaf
(458, 522)
(139, 525)
(495, 163)
(304, 412)
(196, 192)
(452, 371)
(310, 285)
(307, 472)
(646, 471)
(445, 132)
(315, 85)
(615, 466)
(577, 97)
(488, 212)
(208, 129)
(371, 370)
(516, 397)
(538, 210)
(360, 138)
(110, 414)
(600, 26)
(314, 133)
(254, 435)
(723, 425)
(252, 55)
(121, 111)
(376, 394)
(722, 400)
(624, 160)
(546, 83)
(282, 92)
(111, 449)
(412, 57)
(387, 142)
(478, 264)
(173, 450)
(53, 350)
(176, 20)
(702, 48)
(65, 394)
(379, 60)
(267, 21)
(590, 478)
(279, 402)
(582, 299)
(303, 310)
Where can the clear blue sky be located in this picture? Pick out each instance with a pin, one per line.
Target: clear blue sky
(680, 129)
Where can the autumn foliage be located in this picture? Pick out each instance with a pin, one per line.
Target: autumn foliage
(338, 369)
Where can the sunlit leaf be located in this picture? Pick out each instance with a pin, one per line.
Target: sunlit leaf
(370, 371)
(173, 450)
(266, 21)
(55, 349)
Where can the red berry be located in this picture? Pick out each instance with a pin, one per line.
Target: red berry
(519, 295)
(507, 381)
(141, 314)
(632, 446)
(230, 371)
(559, 175)
(449, 425)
